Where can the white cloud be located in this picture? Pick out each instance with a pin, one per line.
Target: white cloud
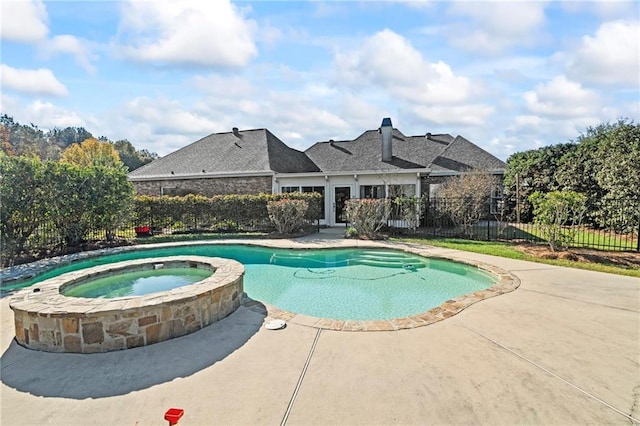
(604, 9)
(456, 115)
(497, 26)
(48, 115)
(389, 62)
(561, 97)
(69, 45)
(206, 33)
(40, 81)
(167, 117)
(612, 56)
(45, 115)
(23, 21)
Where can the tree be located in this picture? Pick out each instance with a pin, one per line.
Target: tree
(24, 202)
(92, 152)
(86, 199)
(131, 157)
(27, 140)
(532, 171)
(465, 198)
(559, 213)
(5, 141)
(620, 177)
(576, 170)
(68, 136)
(111, 199)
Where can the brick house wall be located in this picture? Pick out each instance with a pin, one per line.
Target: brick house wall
(207, 187)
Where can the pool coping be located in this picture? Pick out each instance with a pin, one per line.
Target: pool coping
(506, 281)
(46, 319)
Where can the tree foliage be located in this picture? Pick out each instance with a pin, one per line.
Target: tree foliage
(131, 157)
(72, 201)
(23, 202)
(535, 170)
(92, 153)
(603, 164)
(558, 213)
(465, 198)
(29, 140)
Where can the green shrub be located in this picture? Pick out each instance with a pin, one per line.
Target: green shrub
(287, 215)
(559, 213)
(367, 216)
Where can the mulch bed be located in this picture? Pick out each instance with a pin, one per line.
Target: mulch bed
(625, 259)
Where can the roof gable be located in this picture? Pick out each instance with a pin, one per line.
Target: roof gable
(242, 152)
(462, 155)
(365, 152)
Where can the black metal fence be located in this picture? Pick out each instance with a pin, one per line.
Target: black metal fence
(614, 227)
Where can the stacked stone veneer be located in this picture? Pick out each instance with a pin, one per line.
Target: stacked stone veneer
(49, 321)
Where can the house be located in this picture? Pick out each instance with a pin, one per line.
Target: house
(378, 163)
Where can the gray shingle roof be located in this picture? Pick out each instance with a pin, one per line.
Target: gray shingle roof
(462, 155)
(259, 151)
(252, 151)
(365, 152)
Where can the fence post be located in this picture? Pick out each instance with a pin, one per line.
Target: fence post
(488, 230)
(638, 239)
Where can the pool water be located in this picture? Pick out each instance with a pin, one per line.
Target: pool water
(343, 284)
(137, 283)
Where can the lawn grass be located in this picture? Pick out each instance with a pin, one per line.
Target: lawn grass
(588, 238)
(509, 251)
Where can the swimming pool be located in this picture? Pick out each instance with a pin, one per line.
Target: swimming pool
(340, 284)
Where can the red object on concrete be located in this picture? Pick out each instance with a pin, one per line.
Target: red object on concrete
(173, 415)
(143, 231)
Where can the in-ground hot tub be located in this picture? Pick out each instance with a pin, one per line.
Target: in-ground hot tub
(47, 320)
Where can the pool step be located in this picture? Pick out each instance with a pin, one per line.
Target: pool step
(387, 259)
(378, 258)
(386, 254)
(385, 263)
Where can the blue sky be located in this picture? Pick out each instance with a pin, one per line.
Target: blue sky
(509, 76)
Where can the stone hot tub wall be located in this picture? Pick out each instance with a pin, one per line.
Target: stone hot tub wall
(49, 321)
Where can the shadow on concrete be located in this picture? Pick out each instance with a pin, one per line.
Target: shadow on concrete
(81, 376)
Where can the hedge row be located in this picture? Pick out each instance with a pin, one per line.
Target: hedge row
(228, 212)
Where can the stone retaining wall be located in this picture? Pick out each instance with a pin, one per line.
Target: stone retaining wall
(49, 321)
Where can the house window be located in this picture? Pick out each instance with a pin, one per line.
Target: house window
(372, 191)
(396, 191)
(168, 190)
(433, 189)
(289, 189)
(497, 201)
(319, 190)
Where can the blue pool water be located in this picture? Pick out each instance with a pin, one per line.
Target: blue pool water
(356, 284)
(137, 283)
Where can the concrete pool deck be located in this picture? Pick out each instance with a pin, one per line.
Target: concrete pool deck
(563, 348)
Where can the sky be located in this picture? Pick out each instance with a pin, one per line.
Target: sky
(509, 76)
